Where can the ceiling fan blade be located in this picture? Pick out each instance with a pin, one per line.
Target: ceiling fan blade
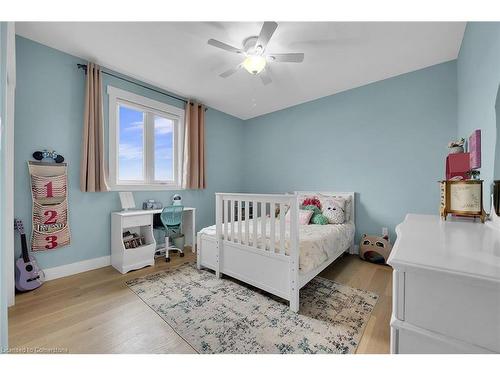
(286, 57)
(229, 72)
(224, 46)
(265, 35)
(265, 78)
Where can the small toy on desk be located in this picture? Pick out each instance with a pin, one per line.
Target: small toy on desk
(151, 204)
(375, 249)
(46, 154)
(177, 200)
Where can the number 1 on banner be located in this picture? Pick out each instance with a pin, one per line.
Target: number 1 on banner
(48, 185)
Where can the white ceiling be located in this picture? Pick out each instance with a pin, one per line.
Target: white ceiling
(175, 56)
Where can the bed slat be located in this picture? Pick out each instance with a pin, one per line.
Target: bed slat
(263, 224)
(240, 236)
(272, 234)
(225, 219)
(231, 217)
(282, 228)
(247, 219)
(255, 222)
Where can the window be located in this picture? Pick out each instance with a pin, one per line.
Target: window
(145, 142)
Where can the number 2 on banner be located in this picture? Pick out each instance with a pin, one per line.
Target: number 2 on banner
(48, 185)
(52, 215)
(51, 242)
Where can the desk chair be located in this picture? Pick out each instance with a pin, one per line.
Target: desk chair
(171, 218)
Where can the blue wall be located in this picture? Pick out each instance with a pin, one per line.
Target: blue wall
(478, 77)
(386, 141)
(49, 113)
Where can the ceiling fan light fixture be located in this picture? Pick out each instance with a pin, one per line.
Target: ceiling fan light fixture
(254, 64)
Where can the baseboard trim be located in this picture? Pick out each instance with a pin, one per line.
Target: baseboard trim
(77, 267)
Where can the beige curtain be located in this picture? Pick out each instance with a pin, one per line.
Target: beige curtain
(194, 147)
(92, 173)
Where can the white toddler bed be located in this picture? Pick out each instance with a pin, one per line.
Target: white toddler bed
(266, 251)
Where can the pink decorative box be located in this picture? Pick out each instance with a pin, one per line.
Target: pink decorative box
(475, 149)
(457, 165)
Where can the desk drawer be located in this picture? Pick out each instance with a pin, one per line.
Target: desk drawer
(460, 307)
(137, 220)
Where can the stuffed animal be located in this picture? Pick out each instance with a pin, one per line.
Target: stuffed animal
(312, 201)
(317, 217)
(334, 210)
(375, 249)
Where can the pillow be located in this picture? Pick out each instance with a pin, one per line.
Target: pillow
(311, 207)
(304, 217)
(319, 219)
(312, 201)
(334, 210)
(348, 204)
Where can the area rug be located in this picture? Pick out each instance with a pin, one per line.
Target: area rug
(224, 316)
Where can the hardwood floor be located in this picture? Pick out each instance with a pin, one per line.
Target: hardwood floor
(95, 312)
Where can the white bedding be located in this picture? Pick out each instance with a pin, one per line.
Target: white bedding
(318, 243)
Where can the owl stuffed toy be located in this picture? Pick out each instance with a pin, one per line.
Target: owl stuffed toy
(334, 210)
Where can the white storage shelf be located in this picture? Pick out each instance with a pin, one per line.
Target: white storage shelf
(125, 260)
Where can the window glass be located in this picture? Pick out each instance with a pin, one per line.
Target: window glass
(164, 148)
(131, 144)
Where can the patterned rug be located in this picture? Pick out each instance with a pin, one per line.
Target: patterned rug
(223, 316)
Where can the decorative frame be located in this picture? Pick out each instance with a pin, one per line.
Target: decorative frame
(446, 199)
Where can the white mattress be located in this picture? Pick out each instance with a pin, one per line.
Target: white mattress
(318, 243)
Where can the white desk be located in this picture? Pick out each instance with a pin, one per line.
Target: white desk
(141, 222)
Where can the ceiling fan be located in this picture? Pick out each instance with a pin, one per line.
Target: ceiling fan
(256, 58)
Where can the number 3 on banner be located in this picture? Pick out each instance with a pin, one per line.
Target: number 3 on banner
(52, 242)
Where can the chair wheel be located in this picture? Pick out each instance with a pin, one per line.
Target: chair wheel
(181, 254)
(167, 259)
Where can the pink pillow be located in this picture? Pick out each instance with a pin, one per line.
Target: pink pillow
(304, 217)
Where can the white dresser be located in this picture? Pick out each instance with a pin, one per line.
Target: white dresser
(446, 286)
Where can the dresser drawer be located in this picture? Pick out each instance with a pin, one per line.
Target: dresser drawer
(136, 221)
(412, 340)
(459, 307)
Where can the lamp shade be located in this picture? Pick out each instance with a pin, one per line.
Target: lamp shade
(254, 64)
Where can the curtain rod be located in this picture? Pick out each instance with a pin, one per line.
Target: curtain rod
(84, 68)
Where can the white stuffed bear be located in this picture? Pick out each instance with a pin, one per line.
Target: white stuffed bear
(334, 210)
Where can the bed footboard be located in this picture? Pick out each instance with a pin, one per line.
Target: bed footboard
(257, 246)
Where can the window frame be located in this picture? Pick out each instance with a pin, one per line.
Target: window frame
(150, 107)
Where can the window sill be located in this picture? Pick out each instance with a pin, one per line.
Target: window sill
(138, 187)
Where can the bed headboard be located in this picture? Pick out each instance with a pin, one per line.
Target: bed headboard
(336, 193)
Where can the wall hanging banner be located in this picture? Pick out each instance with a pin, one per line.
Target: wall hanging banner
(49, 192)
